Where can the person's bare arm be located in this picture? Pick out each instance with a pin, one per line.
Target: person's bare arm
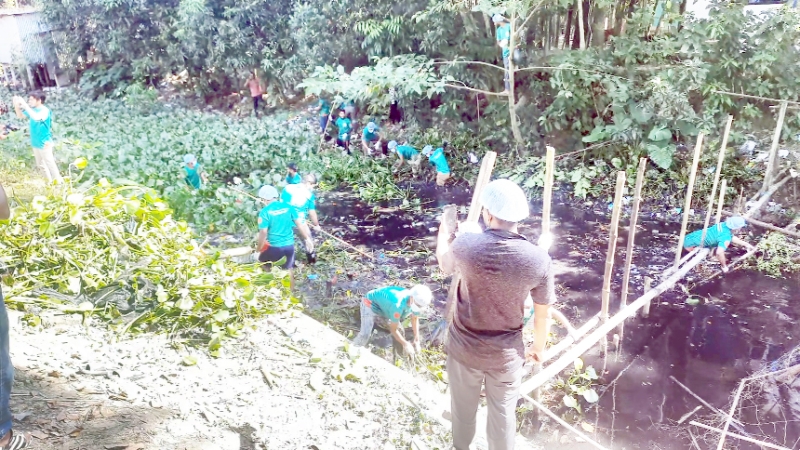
(18, 107)
(5, 211)
(261, 240)
(742, 243)
(444, 255)
(394, 328)
(312, 214)
(503, 43)
(541, 330)
(21, 104)
(721, 258)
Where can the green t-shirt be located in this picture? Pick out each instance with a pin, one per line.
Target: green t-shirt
(324, 108)
(438, 159)
(389, 302)
(345, 126)
(278, 219)
(717, 236)
(193, 176)
(407, 151)
(504, 34)
(295, 179)
(41, 130)
(369, 137)
(301, 198)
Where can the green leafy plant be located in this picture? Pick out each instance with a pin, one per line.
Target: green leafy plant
(778, 256)
(578, 388)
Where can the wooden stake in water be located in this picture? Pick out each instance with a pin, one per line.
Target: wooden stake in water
(547, 198)
(687, 204)
(612, 244)
(626, 275)
(773, 150)
(721, 201)
(713, 195)
(646, 308)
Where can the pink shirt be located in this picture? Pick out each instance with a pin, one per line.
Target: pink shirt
(255, 87)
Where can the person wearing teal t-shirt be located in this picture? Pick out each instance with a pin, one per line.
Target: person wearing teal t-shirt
(41, 125)
(292, 175)
(719, 237)
(345, 126)
(406, 153)
(370, 136)
(394, 304)
(438, 160)
(195, 177)
(275, 238)
(301, 197)
(503, 41)
(324, 110)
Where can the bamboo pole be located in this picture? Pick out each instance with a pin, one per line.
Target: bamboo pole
(612, 244)
(485, 174)
(547, 197)
(755, 97)
(589, 341)
(646, 309)
(738, 436)
(721, 201)
(730, 414)
(760, 203)
(773, 150)
(561, 421)
(713, 195)
(626, 274)
(687, 205)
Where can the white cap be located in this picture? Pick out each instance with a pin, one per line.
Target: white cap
(268, 192)
(427, 150)
(505, 200)
(392, 145)
(498, 18)
(422, 296)
(190, 158)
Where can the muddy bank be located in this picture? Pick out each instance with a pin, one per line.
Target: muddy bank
(730, 328)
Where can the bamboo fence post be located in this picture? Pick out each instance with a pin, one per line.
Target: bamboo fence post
(547, 197)
(721, 200)
(646, 309)
(485, 174)
(612, 244)
(589, 341)
(712, 196)
(626, 274)
(687, 205)
(773, 151)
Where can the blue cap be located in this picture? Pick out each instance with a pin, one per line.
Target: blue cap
(427, 150)
(736, 222)
(372, 127)
(392, 145)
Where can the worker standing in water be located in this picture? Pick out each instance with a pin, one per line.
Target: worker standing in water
(405, 152)
(504, 41)
(439, 161)
(301, 197)
(500, 269)
(394, 304)
(719, 237)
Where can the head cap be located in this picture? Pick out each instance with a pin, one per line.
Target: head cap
(498, 18)
(268, 192)
(422, 297)
(392, 145)
(736, 222)
(505, 200)
(292, 166)
(372, 127)
(427, 150)
(190, 158)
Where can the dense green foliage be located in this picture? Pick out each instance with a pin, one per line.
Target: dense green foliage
(117, 249)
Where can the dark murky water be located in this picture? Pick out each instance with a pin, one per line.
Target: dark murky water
(745, 321)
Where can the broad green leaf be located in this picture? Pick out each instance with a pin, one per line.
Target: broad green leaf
(570, 401)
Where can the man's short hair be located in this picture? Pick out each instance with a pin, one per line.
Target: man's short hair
(38, 95)
(310, 178)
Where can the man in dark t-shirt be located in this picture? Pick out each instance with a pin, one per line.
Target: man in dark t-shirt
(499, 269)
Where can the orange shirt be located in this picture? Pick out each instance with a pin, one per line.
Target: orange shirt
(255, 87)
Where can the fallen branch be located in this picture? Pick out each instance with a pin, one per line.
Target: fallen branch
(699, 399)
(738, 436)
(689, 414)
(561, 421)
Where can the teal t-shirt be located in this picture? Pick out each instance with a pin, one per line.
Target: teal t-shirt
(369, 137)
(278, 219)
(41, 130)
(324, 108)
(296, 179)
(407, 151)
(193, 176)
(438, 159)
(717, 236)
(299, 197)
(504, 34)
(345, 126)
(389, 302)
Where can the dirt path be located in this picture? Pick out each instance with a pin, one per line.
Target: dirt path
(77, 387)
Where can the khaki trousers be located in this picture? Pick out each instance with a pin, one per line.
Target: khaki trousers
(46, 162)
(502, 393)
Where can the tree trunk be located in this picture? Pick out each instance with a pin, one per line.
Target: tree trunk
(581, 25)
(598, 26)
(568, 28)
